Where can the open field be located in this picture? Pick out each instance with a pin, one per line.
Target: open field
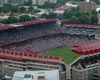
(65, 53)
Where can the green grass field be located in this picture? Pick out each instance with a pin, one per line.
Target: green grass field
(65, 53)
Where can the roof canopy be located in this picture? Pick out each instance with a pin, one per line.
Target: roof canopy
(82, 25)
(11, 26)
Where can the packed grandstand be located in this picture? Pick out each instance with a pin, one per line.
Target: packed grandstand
(43, 36)
(37, 37)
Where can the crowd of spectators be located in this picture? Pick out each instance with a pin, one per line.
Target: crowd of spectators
(23, 38)
(23, 33)
(44, 44)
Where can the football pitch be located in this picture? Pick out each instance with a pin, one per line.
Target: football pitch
(65, 52)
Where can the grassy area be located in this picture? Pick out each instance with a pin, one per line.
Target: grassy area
(65, 53)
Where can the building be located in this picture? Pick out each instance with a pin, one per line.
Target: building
(38, 2)
(11, 1)
(95, 75)
(37, 75)
(16, 1)
(42, 2)
(98, 18)
(3, 1)
(87, 6)
(52, 1)
(34, 2)
(72, 4)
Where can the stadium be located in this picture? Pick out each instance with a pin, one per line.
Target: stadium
(44, 45)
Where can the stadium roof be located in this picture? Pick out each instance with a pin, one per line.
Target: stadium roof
(26, 24)
(82, 25)
(87, 48)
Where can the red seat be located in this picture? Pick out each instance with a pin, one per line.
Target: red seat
(91, 51)
(8, 52)
(16, 53)
(30, 55)
(12, 53)
(86, 52)
(3, 51)
(50, 57)
(0, 51)
(25, 54)
(21, 54)
(41, 56)
(57, 58)
(99, 49)
(46, 57)
(36, 56)
(62, 59)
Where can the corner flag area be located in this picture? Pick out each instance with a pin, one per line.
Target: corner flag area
(65, 53)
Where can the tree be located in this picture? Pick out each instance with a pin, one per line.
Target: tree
(84, 19)
(24, 18)
(7, 7)
(68, 14)
(94, 19)
(65, 22)
(33, 18)
(35, 11)
(14, 9)
(27, 3)
(5, 21)
(22, 9)
(30, 9)
(51, 15)
(48, 5)
(0, 9)
(45, 15)
(78, 13)
(12, 19)
(74, 20)
(94, 12)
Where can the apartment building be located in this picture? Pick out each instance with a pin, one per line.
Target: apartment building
(87, 6)
(11, 1)
(42, 2)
